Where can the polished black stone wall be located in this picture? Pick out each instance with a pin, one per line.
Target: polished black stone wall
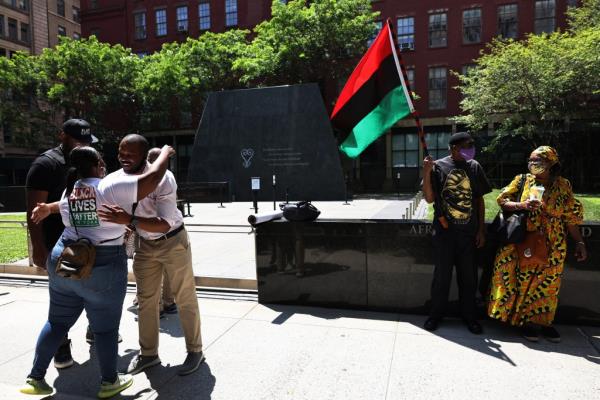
(282, 131)
(388, 265)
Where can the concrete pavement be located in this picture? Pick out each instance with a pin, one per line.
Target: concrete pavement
(288, 352)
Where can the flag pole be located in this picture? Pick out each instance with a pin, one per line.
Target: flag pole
(414, 113)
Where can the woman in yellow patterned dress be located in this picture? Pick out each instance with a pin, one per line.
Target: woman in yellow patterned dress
(527, 297)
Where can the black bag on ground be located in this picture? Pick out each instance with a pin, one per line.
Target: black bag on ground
(302, 211)
(511, 227)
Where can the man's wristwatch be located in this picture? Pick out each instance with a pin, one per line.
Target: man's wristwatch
(133, 222)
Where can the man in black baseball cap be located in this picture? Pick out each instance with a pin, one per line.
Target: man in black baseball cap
(46, 181)
(79, 129)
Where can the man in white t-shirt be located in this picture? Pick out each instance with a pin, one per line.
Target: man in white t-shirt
(163, 247)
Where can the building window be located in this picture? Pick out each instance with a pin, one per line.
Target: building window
(472, 26)
(24, 32)
(437, 142)
(1, 25)
(507, 21)
(93, 4)
(204, 15)
(60, 7)
(410, 75)
(62, 31)
(2, 52)
(95, 32)
(182, 19)
(231, 17)
(139, 22)
(406, 33)
(161, 22)
(544, 16)
(12, 29)
(76, 16)
(437, 88)
(405, 150)
(438, 30)
(379, 25)
(23, 5)
(76, 36)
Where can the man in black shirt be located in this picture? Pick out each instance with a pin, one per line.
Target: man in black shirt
(46, 181)
(456, 185)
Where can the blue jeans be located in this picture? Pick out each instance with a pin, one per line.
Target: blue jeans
(101, 295)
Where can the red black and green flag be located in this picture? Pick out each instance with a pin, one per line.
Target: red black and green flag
(375, 97)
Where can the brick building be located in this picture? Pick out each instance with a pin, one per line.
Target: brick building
(436, 37)
(30, 26)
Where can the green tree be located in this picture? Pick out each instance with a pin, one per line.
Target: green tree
(584, 17)
(307, 41)
(21, 108)
(92, 80)
(175, 80)
(532, 87)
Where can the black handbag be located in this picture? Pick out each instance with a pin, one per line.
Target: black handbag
(302, 211)
(511, 226)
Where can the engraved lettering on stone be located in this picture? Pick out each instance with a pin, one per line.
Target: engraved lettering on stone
(586, 231)
(283, 157)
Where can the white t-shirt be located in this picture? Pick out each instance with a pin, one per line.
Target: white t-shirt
(89, 195)
(162, 202)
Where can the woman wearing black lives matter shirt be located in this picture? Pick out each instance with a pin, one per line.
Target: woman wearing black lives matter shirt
(103, 292)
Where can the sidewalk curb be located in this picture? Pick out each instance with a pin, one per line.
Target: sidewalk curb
(20, 270)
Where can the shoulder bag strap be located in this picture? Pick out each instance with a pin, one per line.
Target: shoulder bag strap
(72, 217)
(521, 186)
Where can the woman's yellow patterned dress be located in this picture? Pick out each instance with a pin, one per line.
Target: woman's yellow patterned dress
(520, 295)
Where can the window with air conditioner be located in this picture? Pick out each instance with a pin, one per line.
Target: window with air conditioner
(406, 33)
(182, 19)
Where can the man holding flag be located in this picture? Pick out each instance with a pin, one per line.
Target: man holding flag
(375, 97)
(456, 185)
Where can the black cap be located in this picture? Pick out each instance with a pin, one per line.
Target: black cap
(79, 129)
(459, 137)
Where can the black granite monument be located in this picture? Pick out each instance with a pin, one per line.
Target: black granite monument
(282, 131)
(388, 265)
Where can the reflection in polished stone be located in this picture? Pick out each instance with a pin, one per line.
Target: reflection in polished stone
(388, 265)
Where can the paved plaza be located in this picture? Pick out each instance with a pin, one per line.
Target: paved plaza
(276, 352)
(257, 351)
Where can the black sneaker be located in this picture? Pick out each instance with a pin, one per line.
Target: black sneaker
(63, 358)
(90, 339)
(141, 362)
(431, 324)
(551, 334)
(191, 364)
(89, 336)
(530, 333)
(473, 326)
(170, 309)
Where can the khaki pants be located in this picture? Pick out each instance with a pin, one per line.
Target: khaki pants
(173, 257)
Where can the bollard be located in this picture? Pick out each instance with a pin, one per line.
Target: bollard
(221, 194)
(274, 190)
(346, 190)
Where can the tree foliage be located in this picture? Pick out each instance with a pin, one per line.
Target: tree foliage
(307, 42)
(118, 92)
(91, 80)
(532, 87)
